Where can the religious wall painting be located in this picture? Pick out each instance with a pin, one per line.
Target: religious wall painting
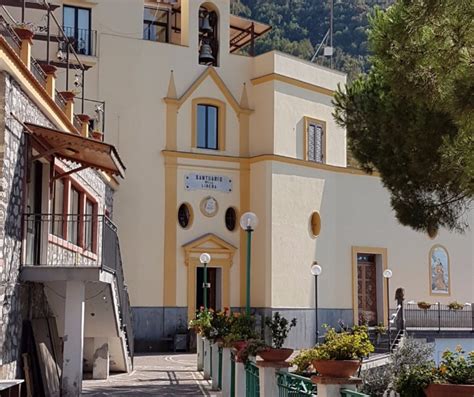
(439, 271)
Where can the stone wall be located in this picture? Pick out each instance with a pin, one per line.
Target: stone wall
(19, 301)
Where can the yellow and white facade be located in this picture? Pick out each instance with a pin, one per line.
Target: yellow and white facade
(267, 105)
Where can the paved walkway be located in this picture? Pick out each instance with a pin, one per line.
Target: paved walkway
(154, 375)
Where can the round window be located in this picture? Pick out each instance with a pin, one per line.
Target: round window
(230, 219)
(315, 224)
(184, 215)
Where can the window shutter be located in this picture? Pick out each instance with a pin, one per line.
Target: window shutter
(315, 142)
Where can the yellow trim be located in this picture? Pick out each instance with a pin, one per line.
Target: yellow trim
(307, 122)
(355, 304)
(292, 81)
(222, 255)
(28, 82)
(221, 121)
(169, 267)
(171, 126)
(266, 157)
(244, 207)
(449, 271)
(209, 72)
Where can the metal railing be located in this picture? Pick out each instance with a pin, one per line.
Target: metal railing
(219, 373)
(60, 101)
(294, 385)
(10, 35)
(112, 261)
(252, 380)
(62, 240)
(38, 72)
(95, 110)
(352, 393)
(439, 317)
(84, 41)
(232, 374)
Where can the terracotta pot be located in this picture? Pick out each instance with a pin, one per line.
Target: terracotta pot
(444, 390)
(84, 118)
(48, 69)
(239, 344)
(97, 135)
(24, 33)
(336, 368)
(275, 355)
(67, 95)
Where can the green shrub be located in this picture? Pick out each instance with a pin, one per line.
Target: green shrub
(304, 359)
(413, 380)
(279, 327)
(456, 368)
(346, 345)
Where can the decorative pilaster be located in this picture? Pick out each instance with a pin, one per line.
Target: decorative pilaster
(50, 71)
(26, 36)
(85, 124)
(69, 98)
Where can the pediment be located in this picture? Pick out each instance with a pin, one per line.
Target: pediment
(209, 73)
(219, 249)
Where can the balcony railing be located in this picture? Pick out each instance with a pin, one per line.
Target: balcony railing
(9, 34)
(439, 317)
(83, 40)
(63, 240)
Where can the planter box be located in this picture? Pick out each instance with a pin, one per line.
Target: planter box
(443, 390)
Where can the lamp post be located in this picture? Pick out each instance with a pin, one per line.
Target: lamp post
(316, 270)
(248, 222)
(387, 274)
(205, 258)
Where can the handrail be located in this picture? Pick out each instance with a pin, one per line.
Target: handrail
(352, 393)
(395, 315)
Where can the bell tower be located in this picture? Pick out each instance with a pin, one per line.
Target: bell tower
(205, 29)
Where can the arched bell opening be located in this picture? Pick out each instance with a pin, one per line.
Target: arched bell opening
(208, 36)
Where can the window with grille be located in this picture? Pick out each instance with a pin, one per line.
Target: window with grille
(315, 131)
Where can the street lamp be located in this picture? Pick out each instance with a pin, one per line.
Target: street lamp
(316, 270)
(387, 274)
(205, 258)
(248, 222)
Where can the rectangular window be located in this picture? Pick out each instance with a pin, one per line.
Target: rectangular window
(88, 226)
(207, 127)
(156, 24)
(73, 217)
(315, 142)
(58, 208)
(77, 27)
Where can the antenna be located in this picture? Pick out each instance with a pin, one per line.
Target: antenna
(328, 50)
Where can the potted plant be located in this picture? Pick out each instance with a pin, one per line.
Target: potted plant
(219, 326)
(340, 354)
(251, 348)
(201, 323)
(279, 327)
(304, 361)
(455, 306)
(455, 376)
(242, 329)
(424, 305)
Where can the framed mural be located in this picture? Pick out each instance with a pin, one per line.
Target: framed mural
(439, 271)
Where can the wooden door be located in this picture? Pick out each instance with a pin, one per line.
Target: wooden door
(367, 289)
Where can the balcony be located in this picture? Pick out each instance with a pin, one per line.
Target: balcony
(84, 41)
(439, 317)
(76, 247)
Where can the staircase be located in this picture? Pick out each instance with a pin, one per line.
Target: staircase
(112, 262)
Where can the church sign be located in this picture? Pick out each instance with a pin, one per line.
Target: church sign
(220, 183)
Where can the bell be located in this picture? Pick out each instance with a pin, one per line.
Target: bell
(206, 26)
(205, 53)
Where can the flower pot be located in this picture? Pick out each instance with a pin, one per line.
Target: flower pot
(68, 95)
(275, 355)
(97, 135)
(443, 390)
(239, 344)
(24, 33)
(336, 368)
